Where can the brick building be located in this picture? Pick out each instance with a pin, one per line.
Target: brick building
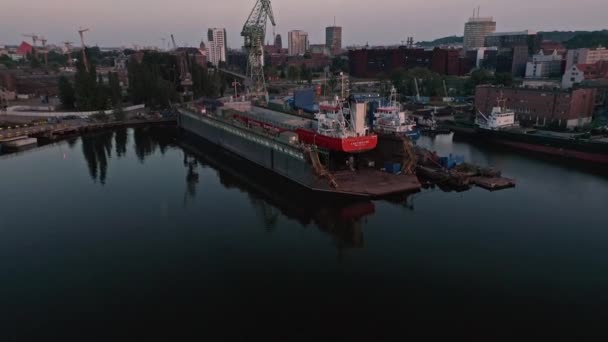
(541, 107)
(369, 63)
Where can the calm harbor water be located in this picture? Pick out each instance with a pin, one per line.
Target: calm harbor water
(141, 230)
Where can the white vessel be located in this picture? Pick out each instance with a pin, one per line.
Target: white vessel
(391, 119)
(499, 118)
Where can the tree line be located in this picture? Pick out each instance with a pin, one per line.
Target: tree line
(154, 81)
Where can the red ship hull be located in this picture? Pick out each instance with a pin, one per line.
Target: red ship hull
(348, 145)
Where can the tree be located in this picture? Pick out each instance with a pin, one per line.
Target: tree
(115, 90)
(339, 64)
(293, 73)
(504, 79)
(66, 93)
(478, 77)
(119, 113)
(332, 83)
(305, 73)
(90, 93)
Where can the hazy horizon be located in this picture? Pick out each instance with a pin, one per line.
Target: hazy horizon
(387, 22)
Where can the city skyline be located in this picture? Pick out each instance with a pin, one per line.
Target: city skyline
(389, 21)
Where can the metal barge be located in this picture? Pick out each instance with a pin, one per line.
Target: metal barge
(273, 141)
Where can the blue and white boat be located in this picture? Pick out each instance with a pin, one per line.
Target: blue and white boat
(391, 119)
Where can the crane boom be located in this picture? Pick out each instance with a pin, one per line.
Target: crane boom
(173, 41)
(84, 48)
(254, 33)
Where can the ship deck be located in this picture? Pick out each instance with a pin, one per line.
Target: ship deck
(370, 183)
(270, 116)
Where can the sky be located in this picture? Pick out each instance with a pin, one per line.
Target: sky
(377, 22)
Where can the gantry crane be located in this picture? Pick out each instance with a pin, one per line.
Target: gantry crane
(254, 32)
(84, 52)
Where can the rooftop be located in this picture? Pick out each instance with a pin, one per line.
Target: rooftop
(514, 33)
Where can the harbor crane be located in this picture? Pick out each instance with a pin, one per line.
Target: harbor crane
(67, 50)
(173, 41)
(184, 69)
(45, 51)
(34, 38)
(84, 50)
(254, 32)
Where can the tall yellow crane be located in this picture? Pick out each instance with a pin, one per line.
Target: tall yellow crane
(84, 53)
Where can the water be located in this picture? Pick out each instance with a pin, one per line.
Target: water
(134, 230)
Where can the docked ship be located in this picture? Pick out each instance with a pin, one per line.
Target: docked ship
(392, 120)
(325, 154)
(500, 127)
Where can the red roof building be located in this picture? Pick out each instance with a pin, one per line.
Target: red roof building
(24, 49)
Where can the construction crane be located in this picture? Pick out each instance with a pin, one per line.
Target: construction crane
(67, 49)
(45, 52)
(173, 41)
(184, 68)
(254, 32)
(84, 52)
(34, 41)
(34, 38)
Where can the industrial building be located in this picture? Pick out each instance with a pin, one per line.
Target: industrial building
(374, 62)
(298, 42)
(542, 107)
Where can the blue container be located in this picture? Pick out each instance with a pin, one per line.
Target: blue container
(451, 161)
(393, 168)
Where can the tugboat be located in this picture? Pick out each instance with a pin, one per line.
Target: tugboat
(392, 120)
(430, 127)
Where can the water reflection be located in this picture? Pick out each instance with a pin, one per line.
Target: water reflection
(272, 198)
(121, 136)
(148, 139)
(97, 149)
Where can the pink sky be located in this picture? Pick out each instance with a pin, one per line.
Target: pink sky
(145, 22)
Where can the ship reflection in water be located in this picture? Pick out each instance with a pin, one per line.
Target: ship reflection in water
(343, 220)
(272, 198)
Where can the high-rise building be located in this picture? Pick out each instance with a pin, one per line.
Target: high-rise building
(278, 42)
(476, 30)
(216, 52)
(333, 39)
(298, 42)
